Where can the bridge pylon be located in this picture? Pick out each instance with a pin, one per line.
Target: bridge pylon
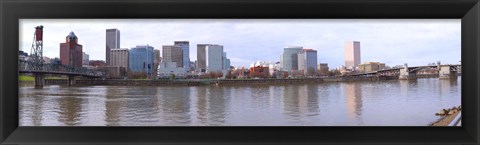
(71, 80)
(39, 80)
(36, 56)
(405, 74)
(446, 72)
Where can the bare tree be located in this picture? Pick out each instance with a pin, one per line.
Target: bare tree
(311, 71)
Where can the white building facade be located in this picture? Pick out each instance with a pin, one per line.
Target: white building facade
(167, 69)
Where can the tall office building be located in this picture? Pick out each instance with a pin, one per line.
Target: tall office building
(112, 42)
(201, 65)
(172, 53)
(71, 52)
(156, 60)
(140, 59)
(214, 58)
(352, 54)
(119, 57)
(186, 52)
(226, 62)
(85, 58)
(289, 58)
(307, 61)
(211, 58)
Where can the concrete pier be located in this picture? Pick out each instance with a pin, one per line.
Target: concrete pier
(446, 73)
(405, 74)
(71, 80)
(39, 80)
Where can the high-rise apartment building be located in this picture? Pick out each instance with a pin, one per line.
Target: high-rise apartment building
(119, 57)
(140, 59)
(289, 59)
(71, 52)
(172, 53)
(307, 61)
(186, 52)
(112, 42)
(352, 54)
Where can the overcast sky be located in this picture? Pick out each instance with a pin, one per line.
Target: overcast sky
(394, 42)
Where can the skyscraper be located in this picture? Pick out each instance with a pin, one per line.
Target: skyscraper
(140, 59)
(352, 54)
(71, 52)
(112, 42)
(186, 52)
(214, 58)
(201, 58)
(172, 53)
(156, 60)
(290, 58)
(307, 61)
(85, 58)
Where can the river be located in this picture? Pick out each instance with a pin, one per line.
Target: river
(367, 103)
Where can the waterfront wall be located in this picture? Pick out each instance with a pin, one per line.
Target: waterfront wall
(223, 82)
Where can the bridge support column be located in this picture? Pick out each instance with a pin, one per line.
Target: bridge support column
(446, 73)
(71, 80)
(39, 80)
(406, 75)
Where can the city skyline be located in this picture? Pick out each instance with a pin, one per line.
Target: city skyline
(416, 42)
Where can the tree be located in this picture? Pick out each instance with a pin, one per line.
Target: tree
(137, 75)
(311, 71)
(334, 72)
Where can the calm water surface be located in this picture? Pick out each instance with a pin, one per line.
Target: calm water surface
(388, 103)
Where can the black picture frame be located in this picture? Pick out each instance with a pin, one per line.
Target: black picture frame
(13, 10)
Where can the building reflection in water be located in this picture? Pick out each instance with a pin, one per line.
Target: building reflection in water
(37, 111)
(201, 104)
(312, 98)
(447, 86)
(175, 105)
(259, 97)
(211, 105)
(113, 105)
(290, 101)
(299, 101)
(354, 99)
(125, 106)
(144, 109)
(217, 103)
(405, 86)
(70, 107)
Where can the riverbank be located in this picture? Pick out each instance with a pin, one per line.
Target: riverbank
(447, 116)
(216, 82)
(444, 121)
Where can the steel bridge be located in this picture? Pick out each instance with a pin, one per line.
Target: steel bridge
(445, 71)
(40, 69)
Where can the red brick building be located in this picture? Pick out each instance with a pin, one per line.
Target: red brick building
(71, 51)
(97, 63)
(259, 71)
